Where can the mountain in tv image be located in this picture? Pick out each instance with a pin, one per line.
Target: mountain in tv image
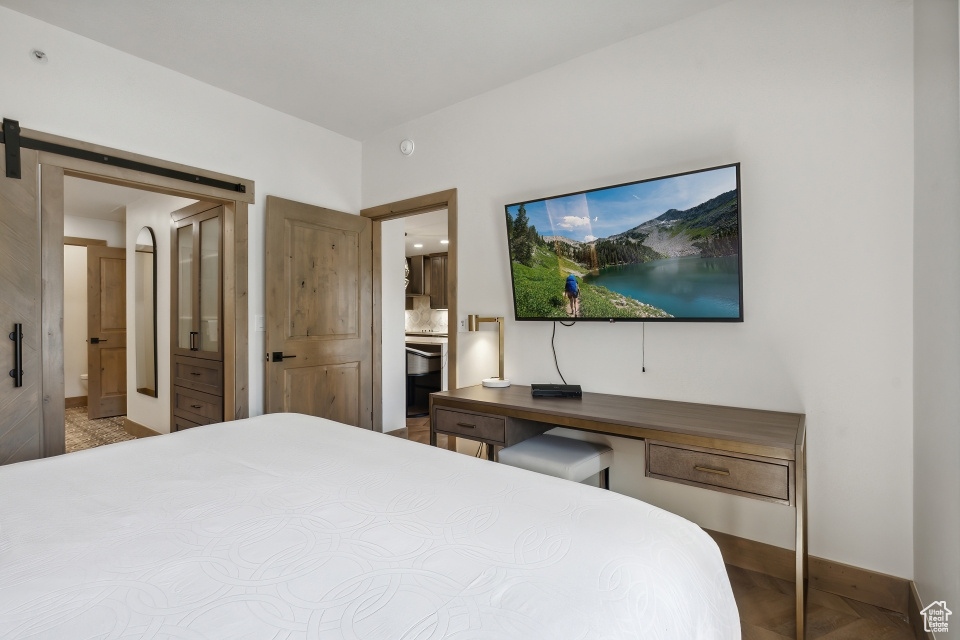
(682, 263)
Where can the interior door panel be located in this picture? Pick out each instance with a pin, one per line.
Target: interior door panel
(319, 313)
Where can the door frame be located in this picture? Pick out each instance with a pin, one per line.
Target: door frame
(404, 209)
(53, 168)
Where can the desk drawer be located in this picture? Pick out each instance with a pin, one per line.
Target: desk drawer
(716, 470)
(197, 406)
(474, 426)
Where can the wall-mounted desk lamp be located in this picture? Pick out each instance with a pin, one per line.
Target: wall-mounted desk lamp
(473, 324)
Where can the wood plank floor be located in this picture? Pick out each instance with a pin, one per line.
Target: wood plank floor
(766, 603)
(766, 607)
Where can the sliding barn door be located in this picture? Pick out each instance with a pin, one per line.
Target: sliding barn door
(319, 313)
(20, 410)
(107, 326)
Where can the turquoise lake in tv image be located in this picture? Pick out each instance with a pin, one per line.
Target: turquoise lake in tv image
(684, 287)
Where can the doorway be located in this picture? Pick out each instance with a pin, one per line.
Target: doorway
(415, 338)
(111, 254)
(429, 311)
(32, 188)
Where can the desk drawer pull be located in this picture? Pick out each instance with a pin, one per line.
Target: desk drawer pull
(195, 373)
(466, 426)
(719, 472)
(197, 406)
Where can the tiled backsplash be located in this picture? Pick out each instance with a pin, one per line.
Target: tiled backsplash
(423, 318)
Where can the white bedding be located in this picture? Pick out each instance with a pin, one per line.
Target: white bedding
(287, 526)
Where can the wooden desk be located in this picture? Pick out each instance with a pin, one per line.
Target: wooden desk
(747, 452)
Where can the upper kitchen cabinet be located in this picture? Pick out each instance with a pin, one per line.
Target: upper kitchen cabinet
(438, 281)
(415, 286)
(428, 277)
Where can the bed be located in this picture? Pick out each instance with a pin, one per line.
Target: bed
(289, 526)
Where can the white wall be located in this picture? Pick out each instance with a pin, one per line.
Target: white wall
(152, 210)
(75, 294)
(815, 99)
(110, 230)
(74, 320)
(936, 303)
(392, 307)
(94, 93)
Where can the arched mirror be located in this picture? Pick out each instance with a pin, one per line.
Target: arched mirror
(146, 312)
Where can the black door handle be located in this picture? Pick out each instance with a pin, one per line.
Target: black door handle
(97, 340)
(279, 357)
(193, 345)
(17, 372)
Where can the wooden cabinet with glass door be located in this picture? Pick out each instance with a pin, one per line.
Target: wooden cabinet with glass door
(196, 367)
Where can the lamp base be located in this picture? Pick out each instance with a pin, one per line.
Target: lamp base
(495, 382)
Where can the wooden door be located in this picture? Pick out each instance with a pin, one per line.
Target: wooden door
(107, 327)
(20, 410)
(319, 313)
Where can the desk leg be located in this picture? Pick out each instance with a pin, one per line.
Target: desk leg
(801, 506)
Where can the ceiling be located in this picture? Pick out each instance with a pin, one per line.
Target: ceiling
(89, 199)
(427, 229)
(357, 67)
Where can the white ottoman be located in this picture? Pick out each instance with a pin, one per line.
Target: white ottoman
(561, 457)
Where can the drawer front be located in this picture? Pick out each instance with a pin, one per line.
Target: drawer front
(770, 479)
(197, 406)
(471, 425)
(198, 374)
(180, 423)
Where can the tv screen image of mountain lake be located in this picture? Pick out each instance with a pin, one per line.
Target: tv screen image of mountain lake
(660, 249)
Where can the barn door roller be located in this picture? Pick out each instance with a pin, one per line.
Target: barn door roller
(13, 142)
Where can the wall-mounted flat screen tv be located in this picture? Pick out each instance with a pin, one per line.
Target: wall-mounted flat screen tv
(664, 249)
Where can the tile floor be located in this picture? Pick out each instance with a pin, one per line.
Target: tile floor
(82, 433)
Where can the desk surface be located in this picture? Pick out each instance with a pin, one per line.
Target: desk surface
(751, 431)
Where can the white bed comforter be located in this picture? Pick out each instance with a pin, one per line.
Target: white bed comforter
(287, 526)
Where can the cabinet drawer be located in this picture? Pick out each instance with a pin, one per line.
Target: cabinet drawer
(198, 374)
(197, 406)
(716, 470)
(180, 423)
(474, 426)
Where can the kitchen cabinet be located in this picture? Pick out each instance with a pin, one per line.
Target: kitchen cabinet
(428, 277)
(415, 286)
(438, 281)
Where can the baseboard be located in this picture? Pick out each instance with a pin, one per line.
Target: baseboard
(137, 430)
(862, 585)
(74, 402)
(916, 620)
